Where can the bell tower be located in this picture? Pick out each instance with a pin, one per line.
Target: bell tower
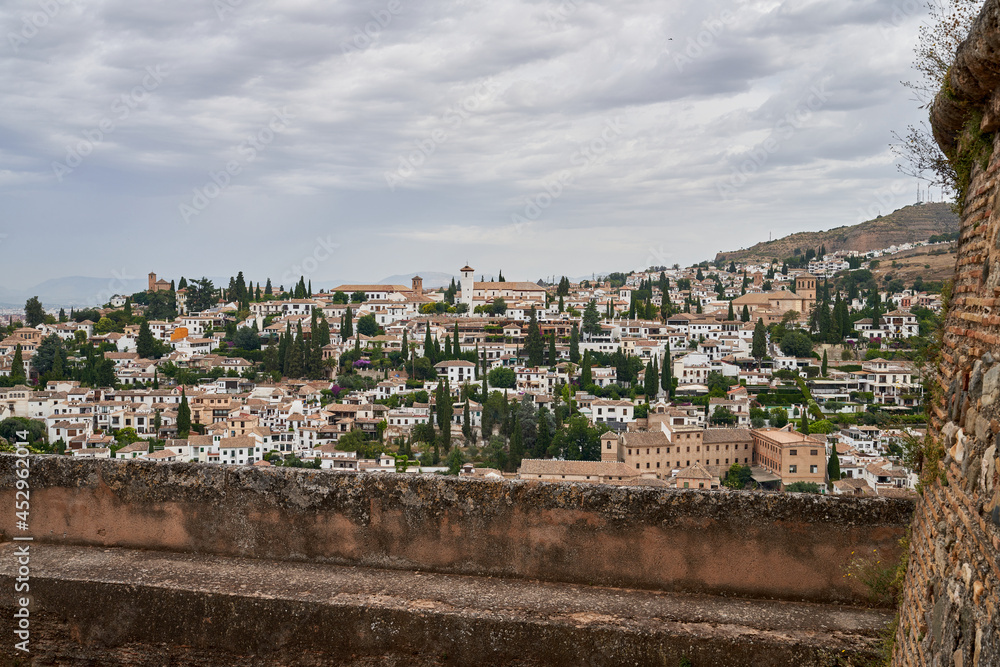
(468, 284)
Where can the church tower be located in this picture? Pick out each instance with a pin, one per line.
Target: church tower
(805, 287)
(468, 284)
(609, 447)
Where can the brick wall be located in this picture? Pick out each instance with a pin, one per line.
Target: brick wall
(950, 607)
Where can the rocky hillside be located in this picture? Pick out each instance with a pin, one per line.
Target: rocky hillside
(917, 222)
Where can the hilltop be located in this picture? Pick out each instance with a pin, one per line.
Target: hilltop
(916, 222)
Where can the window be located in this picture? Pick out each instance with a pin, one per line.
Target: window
(647, 465)
(793, 452)
(792, 469)
(813, 469)
(813, 452)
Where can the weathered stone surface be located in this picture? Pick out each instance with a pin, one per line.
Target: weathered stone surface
(118, 606)
(991, 384)
(787, 546)
(950, 612)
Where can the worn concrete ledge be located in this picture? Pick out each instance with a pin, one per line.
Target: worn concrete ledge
(792, 547)
(120, 606)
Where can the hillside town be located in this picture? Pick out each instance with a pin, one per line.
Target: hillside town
(800, 375)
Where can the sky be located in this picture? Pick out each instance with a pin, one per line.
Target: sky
(354, 140)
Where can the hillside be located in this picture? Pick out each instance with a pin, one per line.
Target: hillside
(917, 222)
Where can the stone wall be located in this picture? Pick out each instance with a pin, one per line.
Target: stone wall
(949, 614)
(790, 547)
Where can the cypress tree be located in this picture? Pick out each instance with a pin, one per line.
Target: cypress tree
(823, 367)
(574, 344)
(833, 466)
(17, 366)
(348, 329)
(745, 316)
(758, 348)
(467, 421)
(534, 346)
(428, 343)
(650, 382)
(183, 417)
(666, 382)
(585, 375)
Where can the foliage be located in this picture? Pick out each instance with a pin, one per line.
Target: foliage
(821, 427)
(10, 428)
(796, 344)
(34, 314)
(802, 487)
(502, 378)
(778, 417)
(738, 477)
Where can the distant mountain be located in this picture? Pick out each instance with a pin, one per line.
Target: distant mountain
(432, 279)
(917, 222)
(73, 291)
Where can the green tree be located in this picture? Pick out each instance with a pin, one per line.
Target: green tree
(467, 421)
(347, 328)
(586, 377)
(17, 366)
(247, 338)
(738, 476)
(201, 295)
(666, 381)
(758, 348)
(34, 314)
(591, 320)
(146, 346)
(502, 378)
(745, 315)
(445, 411)
(802, 487)
(574, 345)
(183, 417)
(49, 352)
(651, 380)
(778, 417)
(833, 465)
(796, 344)
(455, 460)
(367, 325)
(534, 346)
(823, 365)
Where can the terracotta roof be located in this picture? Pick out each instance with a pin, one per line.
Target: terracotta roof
(595, 469)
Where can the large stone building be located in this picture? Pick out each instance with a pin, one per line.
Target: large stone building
(155, 285)
(772, 306)
(481, 293)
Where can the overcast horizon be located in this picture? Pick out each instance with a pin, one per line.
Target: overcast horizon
(369, 139)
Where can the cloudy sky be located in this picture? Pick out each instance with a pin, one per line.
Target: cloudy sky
(354, 140)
